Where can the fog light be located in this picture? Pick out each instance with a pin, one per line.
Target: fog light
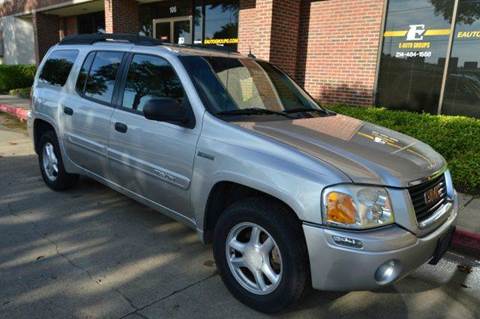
(348, 242)
(388, 272)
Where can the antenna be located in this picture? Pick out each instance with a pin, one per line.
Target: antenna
(250, 54)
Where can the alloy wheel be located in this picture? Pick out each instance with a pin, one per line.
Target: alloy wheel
(254, 258)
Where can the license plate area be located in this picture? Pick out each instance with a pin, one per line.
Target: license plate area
(443, 245)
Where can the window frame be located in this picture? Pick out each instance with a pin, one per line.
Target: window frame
(118, 98)
(118, 77)
(45, 82)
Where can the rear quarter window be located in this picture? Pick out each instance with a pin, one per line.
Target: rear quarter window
(57, 68)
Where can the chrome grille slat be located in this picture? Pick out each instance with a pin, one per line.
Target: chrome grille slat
(424, 210)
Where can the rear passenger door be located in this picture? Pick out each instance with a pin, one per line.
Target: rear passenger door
(87, 114)
(153, 159)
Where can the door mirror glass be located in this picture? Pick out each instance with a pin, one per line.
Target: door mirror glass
(165, 110)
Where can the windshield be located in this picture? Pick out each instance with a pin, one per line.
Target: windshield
(243, 86)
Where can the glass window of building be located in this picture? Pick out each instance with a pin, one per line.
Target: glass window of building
(462, 91)
(414, 53)
(91, 22)
(216, 22)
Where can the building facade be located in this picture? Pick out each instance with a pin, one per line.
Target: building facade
(418, 55)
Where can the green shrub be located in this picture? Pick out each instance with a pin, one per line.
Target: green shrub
(457, 138)
(16, 76)
(23, 92)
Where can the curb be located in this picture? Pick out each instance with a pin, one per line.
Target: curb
(466, 242)
(18, 112)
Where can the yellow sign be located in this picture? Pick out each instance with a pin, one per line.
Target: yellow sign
(414, 45)
(468, 34)
(221, 41)
(431, 32)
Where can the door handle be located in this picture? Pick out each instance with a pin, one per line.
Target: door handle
(120, 127)
(67, 110)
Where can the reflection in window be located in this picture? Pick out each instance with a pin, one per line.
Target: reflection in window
(82, 76)
(150, 77)
(216, 22)
(247, 83)
(414, 53)
(58, 66)
(102, 75)
(462, 91)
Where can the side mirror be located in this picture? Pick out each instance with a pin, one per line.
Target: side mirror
(166, 110)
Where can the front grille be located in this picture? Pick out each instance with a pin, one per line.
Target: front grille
(428, 197)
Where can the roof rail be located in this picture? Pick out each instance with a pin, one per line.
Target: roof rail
(110, 37)
(203, 47)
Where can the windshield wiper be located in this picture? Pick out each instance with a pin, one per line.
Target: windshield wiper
(303, 109)
(252, 111)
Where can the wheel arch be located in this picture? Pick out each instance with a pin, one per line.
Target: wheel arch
(41, 126)
(225, 193)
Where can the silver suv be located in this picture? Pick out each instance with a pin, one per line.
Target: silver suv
(290, 194)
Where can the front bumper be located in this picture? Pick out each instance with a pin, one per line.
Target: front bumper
(339, 268)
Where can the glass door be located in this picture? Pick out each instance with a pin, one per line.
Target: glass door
(173, 30)
(163, 31)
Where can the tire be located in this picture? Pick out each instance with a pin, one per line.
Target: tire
(276, 221)
(54, 176)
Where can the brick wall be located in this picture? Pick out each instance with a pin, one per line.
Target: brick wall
(269, 28)
(70, 25)
(285, 27)
(254, 30)
(46, 29)
(338, 49)
(121, 16)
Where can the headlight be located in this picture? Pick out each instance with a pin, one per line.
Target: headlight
(357, 207)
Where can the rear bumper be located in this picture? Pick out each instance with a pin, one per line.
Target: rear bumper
(339, 268)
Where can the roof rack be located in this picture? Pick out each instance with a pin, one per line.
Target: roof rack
(202, 47)
(110, 37)
(88, 39)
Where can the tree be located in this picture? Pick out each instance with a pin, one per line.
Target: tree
(468, 11)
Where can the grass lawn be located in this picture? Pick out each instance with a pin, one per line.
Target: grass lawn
(457, 138)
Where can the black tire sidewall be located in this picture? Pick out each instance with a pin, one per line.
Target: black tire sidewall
(290, 240)
(63, 180)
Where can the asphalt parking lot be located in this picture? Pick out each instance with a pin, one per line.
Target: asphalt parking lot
(93, 253)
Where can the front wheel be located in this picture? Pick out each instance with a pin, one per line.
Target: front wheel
(261, 254)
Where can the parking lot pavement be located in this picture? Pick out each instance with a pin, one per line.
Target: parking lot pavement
(93, 253)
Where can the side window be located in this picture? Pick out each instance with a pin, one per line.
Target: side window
(58, 66)
(150, 77)
(82, 76)
(101, 77)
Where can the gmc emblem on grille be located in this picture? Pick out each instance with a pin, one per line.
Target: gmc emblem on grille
(433, 195)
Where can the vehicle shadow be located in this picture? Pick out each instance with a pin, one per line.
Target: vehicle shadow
(91, 252)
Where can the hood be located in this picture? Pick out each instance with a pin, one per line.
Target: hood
(367, 153)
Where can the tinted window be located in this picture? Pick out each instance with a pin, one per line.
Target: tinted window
(240, 83)
(216, 22)
(82, 76)
(462, 91)
(58, 66)
(414, 53)
(101, 78)
(150, 77)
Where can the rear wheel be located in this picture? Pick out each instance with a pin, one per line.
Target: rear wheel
(261, 254)
(51, 164)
